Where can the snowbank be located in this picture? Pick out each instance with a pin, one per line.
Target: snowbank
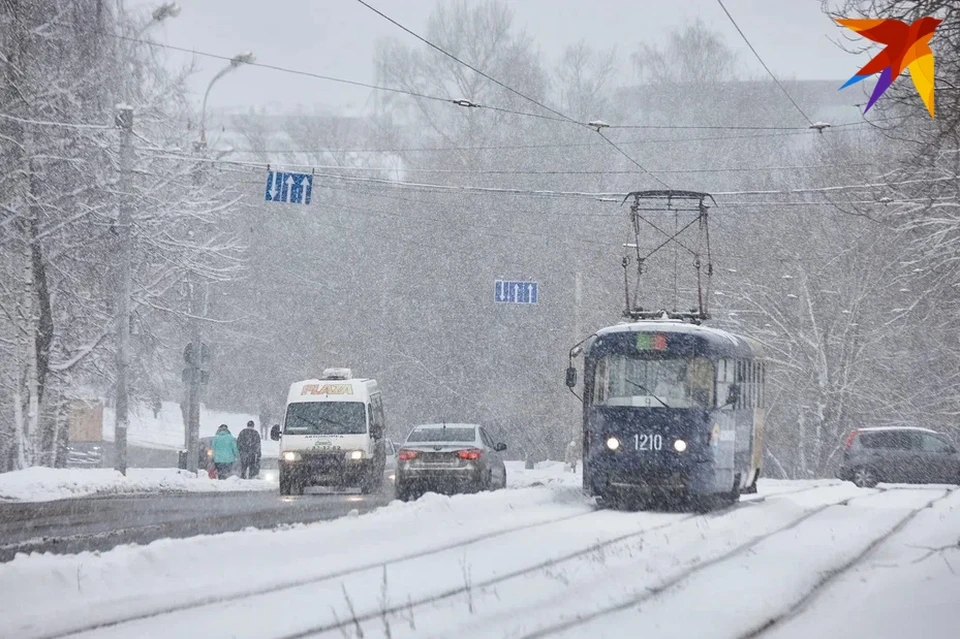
(46, 484)
(90, 587)
(547, 473)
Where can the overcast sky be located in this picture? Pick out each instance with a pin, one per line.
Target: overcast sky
(337, 37)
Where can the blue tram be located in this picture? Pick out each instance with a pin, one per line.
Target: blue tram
(672, 411)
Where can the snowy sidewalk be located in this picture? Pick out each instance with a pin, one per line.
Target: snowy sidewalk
(47, 484)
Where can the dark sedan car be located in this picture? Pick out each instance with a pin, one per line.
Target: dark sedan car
(899, 454)
(449, 458)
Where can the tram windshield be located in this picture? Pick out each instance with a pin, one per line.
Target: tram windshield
(654, 383)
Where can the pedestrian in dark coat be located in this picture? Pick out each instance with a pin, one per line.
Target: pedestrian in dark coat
(248, 442)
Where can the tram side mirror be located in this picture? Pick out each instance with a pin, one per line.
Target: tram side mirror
(571, 377)
(275, 432)
(733, 394)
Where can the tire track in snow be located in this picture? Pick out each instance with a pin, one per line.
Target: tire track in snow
(829, 577)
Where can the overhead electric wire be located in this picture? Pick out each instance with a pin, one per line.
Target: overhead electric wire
(764, 64)
(552, 193)
(356, 83)
(70, 125)
(559, 117)
(509, 88)
(562, 145)
(557, 172)
(468, 65)
(318, 76)
(616, 214)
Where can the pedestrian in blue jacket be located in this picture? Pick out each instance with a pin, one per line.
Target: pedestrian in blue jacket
(225, 452)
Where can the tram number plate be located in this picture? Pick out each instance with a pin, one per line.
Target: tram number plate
(648, 442)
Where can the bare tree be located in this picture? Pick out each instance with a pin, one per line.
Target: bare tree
(58, 287)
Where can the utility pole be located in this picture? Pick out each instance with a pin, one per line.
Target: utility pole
(124, 120)
(195, 355)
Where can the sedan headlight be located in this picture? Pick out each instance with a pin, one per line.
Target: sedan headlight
(355, 454)
(291, 456)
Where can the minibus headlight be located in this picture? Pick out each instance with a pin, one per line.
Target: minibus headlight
(355, 454)
(613, 443)
(291, 456)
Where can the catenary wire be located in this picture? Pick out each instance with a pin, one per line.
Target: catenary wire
(764, 64)
(553, 193)
(465, 103)
(510, 89)
(71, 125)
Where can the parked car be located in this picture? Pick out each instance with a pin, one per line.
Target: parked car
(204, 456)
(449, 458)
(390, 467)
(899, 454)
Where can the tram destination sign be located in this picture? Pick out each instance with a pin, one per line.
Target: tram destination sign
(651, 342)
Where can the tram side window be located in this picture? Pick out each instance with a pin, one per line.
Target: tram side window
(726, 374)
(700, 379)
(749, 376)
(742, 383)
(756, 383)
(747, 387)
(760, 384)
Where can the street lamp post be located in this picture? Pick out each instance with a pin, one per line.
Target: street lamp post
(195, 373)
(246, 57)
(124, 121)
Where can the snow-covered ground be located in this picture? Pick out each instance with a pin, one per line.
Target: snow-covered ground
(811, 559)
(45, 484)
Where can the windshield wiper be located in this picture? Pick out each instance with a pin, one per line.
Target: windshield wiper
(646, 390)
(317, 428)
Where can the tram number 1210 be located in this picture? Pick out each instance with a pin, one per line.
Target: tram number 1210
(648, 442)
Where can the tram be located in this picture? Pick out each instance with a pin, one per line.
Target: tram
(673, 411)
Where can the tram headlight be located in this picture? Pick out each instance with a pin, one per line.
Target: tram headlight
(679, 445)
(613, 443)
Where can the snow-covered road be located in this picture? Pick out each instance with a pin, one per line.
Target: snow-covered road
(800, 559)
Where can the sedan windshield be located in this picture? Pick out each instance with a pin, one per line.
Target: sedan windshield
(325, 418)
(455, 434)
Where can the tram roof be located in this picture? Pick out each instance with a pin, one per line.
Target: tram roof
(722, 341)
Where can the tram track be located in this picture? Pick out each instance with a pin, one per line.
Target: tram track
(832, 575)
(684, 575)
(226, 598)
(411, 605)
